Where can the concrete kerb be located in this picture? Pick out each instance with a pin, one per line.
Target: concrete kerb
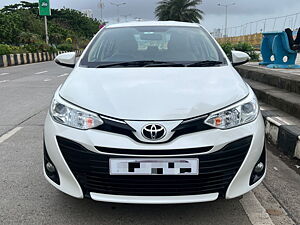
(283, 136)
(28, 58)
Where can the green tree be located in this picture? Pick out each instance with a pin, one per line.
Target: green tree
(179, 10)
(21, 28)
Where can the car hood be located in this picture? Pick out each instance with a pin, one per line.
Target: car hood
(154, 93)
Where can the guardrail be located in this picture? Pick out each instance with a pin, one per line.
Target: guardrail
(28, 58)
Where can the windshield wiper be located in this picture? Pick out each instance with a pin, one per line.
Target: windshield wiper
(143, 63)
(164, 64)
(204, 63)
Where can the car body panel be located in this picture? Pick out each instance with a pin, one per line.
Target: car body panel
(154, 93)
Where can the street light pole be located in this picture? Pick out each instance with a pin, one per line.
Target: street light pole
(101, 6)
(226, 15)
(118, 10)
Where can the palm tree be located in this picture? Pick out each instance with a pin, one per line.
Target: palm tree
(179, 10)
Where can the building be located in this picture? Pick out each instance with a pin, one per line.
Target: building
(87, 12)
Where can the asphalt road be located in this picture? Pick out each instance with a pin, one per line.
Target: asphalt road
(27, 198)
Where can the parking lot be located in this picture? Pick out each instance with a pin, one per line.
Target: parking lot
(27, 198)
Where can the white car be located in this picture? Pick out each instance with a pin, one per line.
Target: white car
(154, 113)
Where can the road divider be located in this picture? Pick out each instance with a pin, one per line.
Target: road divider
(28, 58)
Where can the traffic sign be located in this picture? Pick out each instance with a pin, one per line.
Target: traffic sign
(44, 8)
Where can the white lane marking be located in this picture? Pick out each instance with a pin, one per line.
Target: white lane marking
(46, 80)
(6, 136)
(63, 75)
(254, 210)
(2, 74)
(41, 72)
(3, 81)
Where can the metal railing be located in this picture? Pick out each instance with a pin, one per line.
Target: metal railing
(263, 25)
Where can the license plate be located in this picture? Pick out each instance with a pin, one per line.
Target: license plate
(150, 166)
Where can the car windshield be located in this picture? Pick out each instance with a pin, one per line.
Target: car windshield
(157, 44)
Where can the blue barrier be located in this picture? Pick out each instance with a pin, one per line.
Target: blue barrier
(276, 51)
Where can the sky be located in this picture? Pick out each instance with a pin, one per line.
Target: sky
(244, 11)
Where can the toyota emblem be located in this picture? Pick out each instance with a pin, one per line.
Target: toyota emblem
(154, 132)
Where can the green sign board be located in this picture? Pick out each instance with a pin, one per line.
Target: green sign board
(44, 6)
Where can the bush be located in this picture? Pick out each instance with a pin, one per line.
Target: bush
(65, 47)
(5, 49)
(248, 48)
(69, 40)
(227, 48)
(8, 49)
(241, 46)
(40, 46)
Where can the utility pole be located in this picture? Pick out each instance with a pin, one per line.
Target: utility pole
(118, 10)
(101, 6)
(226, 15)
(46, 30)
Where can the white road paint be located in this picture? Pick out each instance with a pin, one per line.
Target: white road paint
(3, 81)
(255, 211)
(41, 72)
(9, 134)
(2, 74)
(46, 80)
(63, 75)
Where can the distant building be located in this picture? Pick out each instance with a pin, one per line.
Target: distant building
(87, 12)
(217, 33)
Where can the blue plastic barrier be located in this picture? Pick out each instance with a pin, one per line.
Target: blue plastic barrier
(276, 51)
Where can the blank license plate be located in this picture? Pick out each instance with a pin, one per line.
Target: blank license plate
(150, 166)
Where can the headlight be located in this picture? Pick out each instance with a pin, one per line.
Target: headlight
(241, 113)
(67, 114)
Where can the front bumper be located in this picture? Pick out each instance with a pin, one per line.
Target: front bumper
(85, 172)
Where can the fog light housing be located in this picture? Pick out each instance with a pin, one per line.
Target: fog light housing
(259, 168)
(50, 169)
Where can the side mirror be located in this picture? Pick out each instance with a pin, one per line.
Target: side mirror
(66, 59)
(239, 58)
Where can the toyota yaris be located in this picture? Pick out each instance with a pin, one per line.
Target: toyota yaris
(154, 113)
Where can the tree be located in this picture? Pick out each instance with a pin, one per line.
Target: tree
(179, 10)
(22, 26)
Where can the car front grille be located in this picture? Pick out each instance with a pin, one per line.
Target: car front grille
(148, 152)
(187, 126)
(216, 171)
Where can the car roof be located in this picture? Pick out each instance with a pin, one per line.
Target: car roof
(153, 23)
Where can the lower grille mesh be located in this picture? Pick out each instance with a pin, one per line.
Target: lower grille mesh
(216, 171)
